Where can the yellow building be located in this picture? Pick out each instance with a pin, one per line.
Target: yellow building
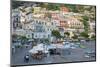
(36, 10)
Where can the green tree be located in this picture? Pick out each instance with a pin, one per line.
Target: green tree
(93, 37)
(75, 37)
(43, 5)
(47, 41)
(67, 33)
(14, 36)
(53, 7)
(56, 33)
(72, 8)
(16, 4)
(23, 39)
(85, 20)
(84, 34)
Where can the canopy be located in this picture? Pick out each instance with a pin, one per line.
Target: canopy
(39, 47)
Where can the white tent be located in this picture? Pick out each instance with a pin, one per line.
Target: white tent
(33, 51)
(39, 47)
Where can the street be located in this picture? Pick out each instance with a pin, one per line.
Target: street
(76, 54)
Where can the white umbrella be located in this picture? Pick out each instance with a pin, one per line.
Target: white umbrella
(33, 51)
(39, 47)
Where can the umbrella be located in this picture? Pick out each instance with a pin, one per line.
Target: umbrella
(39, 47)
(33, 51)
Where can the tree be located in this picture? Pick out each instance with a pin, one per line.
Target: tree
(84, 34)
(23, 39)
(67, 33)
(47, 41)
(14, 36)
(56, 34)
(85, 18)
(16, 4)
(43, 5)
(72, 8)
(75, 37)
(85, 23)
(93, 37)
(53, 7)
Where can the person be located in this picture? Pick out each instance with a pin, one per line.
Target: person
(13, 50)
(26, 58)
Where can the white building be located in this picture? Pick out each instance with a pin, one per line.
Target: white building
(15, 19)
(36, 10)
(29, 17)
(22, 17)
(42, 35)
(38, 28)
(29, 26)
(75, 24)
(23, 32)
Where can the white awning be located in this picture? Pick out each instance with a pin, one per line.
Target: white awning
(39, 47)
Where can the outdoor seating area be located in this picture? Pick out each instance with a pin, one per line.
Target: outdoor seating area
(41, 50)
(38, 55)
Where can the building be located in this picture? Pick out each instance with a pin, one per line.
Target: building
(42, 35)
(64, 9)
(28, 9)
(16, 19)
(29, 17)
(22, 32)
(42, 28)
(36, 10)
(38, 25)
(74, 23)
(29, 26)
